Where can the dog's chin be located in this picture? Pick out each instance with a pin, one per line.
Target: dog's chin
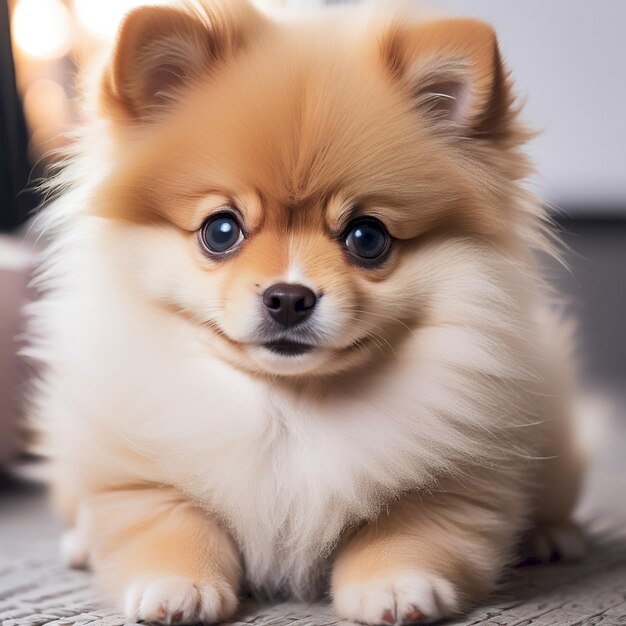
(285, 358)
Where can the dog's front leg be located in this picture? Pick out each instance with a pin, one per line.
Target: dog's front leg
(429, 556)
(164, 558)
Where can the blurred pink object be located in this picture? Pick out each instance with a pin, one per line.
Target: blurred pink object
(16, 262)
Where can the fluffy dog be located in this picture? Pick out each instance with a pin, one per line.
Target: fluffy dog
(294, 332)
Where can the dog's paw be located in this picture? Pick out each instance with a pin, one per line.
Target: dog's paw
(555, 542)
(177, 600)
(74, 551)
(410, 597)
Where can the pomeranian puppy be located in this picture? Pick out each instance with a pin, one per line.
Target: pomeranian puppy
(294, 333)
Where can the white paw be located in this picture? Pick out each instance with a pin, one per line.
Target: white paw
(556, 542)
(177, 600)
(74, 552)
(405, 598)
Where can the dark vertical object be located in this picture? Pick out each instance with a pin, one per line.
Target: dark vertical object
(15, 203)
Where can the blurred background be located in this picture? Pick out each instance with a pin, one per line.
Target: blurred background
(567, 58)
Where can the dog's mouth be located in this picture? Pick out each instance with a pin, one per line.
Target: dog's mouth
(280, 347)
(288, 348)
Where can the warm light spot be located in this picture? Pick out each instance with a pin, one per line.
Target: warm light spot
(42, 28)
(102, 17)
(46, 104)
(48, 113)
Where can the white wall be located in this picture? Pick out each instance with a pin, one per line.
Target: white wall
(568, 58)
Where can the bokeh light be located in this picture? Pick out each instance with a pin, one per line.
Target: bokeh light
(102, 17)
(48, 113)
(42, 28)
(45, 103)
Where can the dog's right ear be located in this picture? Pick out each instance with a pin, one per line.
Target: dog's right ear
(162, 50)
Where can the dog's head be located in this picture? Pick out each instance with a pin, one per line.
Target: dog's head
(304, 191)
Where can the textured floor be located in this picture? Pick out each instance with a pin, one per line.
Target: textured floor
(35, 590)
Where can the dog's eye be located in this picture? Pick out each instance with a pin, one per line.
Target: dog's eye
(221, 233)
(367, 240)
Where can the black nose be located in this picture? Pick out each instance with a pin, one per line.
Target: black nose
(289, 304)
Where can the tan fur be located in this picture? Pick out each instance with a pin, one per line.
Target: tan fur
(429, 430)
(137, 534)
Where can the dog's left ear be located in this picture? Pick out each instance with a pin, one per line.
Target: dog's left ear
(452, 71)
